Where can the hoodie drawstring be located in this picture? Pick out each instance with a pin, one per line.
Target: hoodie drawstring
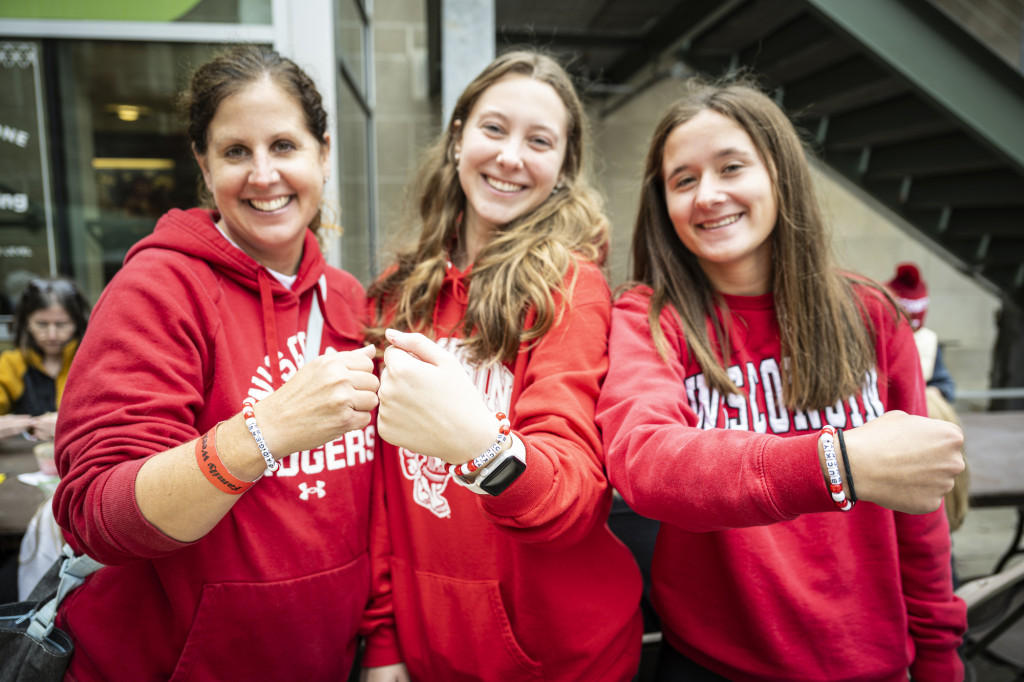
(270, 328)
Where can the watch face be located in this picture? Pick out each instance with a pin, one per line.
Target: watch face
(503, 474)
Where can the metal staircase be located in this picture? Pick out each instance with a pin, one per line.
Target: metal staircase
(897, 97)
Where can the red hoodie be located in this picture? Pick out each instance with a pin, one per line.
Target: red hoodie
(531, 584)
(747, 580)
(276, 589)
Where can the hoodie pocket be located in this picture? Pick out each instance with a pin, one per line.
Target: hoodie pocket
(300, 629)
(456, 629)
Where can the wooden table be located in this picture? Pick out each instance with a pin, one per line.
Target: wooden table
(18, 501)
(994, 445)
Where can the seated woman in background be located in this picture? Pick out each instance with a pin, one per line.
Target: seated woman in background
(48, 325)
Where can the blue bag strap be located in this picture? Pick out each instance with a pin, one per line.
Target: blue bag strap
(73, 572)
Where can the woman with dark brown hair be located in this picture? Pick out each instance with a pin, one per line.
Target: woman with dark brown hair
(215, 440)
(750, 384)
(49, 323)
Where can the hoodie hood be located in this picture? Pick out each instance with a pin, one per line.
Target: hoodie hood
(194, 233)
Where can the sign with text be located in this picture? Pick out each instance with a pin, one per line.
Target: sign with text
(26, 223)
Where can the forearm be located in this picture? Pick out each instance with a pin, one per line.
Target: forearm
(13, 424)
(175, 496)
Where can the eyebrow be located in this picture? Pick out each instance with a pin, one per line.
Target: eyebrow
(532, 127)
(728, 151)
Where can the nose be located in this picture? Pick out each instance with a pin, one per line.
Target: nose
(263, 172)
(709, 193)
(509, 157)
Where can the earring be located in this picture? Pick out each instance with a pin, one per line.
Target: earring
(326, 178)
(556, 189)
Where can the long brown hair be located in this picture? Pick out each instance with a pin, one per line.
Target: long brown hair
(525, 262)
(825, 334)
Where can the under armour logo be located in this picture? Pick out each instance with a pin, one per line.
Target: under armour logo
(318, 490)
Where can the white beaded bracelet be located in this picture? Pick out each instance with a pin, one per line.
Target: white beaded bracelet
(249, 415)
(501, 444)
(827, 438)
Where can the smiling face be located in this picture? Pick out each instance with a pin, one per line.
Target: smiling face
(721, 200)
(511, 149)
(266, 172)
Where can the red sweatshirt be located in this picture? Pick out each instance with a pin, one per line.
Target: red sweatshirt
(531, 584)
(275, 591)
(747, 581)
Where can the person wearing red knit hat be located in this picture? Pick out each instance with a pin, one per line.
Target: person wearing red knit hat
(911, 291)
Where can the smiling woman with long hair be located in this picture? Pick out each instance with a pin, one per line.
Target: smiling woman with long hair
(744, 369)
(496, 543)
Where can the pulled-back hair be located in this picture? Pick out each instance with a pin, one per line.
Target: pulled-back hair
(40, 294)
(525, 262)
(824, 332)
(226, 74)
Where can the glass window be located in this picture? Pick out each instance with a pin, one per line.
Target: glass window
(357, 249)
(124, 160)
(26, 219)
(356, 151)
(350, 29)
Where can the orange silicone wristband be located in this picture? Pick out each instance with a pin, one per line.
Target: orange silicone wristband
(213, 468)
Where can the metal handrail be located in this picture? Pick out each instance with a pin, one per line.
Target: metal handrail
(994, 20)
(985, 393)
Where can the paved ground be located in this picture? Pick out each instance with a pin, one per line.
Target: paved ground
(977, 546)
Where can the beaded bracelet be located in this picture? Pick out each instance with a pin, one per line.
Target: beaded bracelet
(846, 465)
(249, 415)
(827, 439)
(501, 444)
(213, 468)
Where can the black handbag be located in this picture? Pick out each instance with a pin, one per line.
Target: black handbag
(32, 649)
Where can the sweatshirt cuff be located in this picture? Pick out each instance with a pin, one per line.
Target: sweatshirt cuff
(381, 648)
(129, 529)
(795, 482)
(521, 497)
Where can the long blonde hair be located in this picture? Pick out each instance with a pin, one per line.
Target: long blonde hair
(524, 264)
(824, 331)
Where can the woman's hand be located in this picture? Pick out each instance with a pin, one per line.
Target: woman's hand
(385, 673)
(331, 395)
(14, 424)
(428, 404)
(905, 462)
(44, 426)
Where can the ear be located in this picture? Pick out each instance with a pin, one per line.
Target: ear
(203, 166)
(325, 155)
(457, 136)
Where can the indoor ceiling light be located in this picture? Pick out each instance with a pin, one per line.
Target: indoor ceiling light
(128, 112)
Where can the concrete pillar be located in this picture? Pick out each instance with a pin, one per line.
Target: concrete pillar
(467, 46)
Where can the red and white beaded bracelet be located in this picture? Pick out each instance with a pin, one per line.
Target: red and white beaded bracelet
(249, 415)
(827, 437)
(503, 443)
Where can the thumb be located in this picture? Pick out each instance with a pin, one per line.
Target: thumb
(417, 345)
(369, 350)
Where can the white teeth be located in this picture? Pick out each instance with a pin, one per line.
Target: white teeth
(503, 186)
(720, 223)
(271, 205)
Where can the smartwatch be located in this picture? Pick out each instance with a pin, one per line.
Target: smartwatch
(497, 476)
